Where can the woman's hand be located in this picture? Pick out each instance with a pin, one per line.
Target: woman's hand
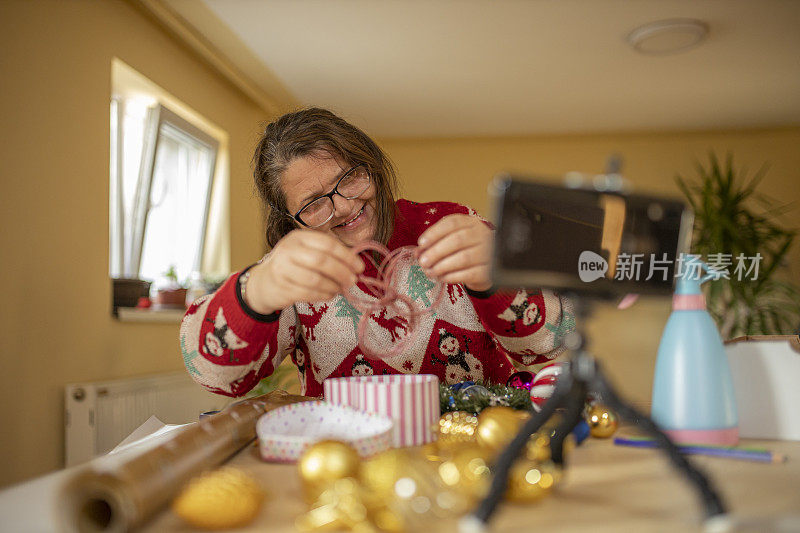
(305, 266)
(457, 249)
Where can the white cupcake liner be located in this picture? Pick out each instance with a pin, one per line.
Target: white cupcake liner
(285, 433)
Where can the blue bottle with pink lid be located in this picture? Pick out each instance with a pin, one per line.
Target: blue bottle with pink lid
(693, 396)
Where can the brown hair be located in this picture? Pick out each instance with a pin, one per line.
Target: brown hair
(311, 130)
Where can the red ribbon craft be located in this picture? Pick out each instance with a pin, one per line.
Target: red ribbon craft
(382, 288)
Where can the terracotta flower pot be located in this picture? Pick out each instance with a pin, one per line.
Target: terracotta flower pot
(170, 298)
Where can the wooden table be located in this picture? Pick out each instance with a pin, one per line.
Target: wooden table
(606, 488)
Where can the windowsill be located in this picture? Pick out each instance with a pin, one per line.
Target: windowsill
(162, 316)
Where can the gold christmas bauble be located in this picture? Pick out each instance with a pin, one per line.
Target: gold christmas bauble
(325, 462)
(538, 447)
(467, 472)
(223, 499)
(406, 491)
(602, 421)
(388, 520)
(379, 473)
(343, 505)
(497, 426)
(436, 452)
(529, 481)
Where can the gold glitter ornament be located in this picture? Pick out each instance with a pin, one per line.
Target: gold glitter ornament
(341, 506)
(497, 426)
(222, 499)
(529, 481)
(325, 462)
(602, 421)
(395, 491)
(406, 490)
(457, 427)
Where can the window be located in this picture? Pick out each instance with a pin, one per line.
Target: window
(166, 201)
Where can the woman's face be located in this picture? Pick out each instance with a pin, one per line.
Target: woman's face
(354, 221)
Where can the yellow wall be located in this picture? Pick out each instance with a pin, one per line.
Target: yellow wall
(460, 170)
(54, 103)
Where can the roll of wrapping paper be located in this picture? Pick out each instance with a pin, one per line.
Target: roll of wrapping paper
(114, 493)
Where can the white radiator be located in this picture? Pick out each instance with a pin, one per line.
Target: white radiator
(98, 416)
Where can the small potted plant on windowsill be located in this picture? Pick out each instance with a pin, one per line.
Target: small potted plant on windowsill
(172, 293)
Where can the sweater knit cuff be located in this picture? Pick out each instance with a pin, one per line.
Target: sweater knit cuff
(252, 313)
(482, 294)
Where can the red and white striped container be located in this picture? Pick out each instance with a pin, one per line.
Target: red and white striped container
(411, 401)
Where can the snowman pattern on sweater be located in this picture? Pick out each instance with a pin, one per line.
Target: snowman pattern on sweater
(460, 365)
(361, 367)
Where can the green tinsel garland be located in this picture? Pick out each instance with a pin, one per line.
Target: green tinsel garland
(450, 400)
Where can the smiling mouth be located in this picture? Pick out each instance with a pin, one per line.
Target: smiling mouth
(343, 224)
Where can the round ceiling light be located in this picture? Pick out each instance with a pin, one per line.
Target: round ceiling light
(671, 36)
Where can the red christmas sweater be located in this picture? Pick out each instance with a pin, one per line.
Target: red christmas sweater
(228, 347)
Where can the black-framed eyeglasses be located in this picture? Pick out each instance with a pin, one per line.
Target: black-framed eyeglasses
(320, 210)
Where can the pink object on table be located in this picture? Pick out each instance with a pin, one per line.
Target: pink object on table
(411, 401)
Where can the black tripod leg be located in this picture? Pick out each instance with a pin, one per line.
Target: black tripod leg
(570, 418)
(509, 455)
(711, 500)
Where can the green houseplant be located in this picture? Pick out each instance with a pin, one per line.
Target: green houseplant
(733, 217)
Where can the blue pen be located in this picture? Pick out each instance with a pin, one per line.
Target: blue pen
(762, 456)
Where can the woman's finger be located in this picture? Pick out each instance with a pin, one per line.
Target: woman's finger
(312, 280)
(462, 259)
(458, 240)
(324, 264)
(332, 246)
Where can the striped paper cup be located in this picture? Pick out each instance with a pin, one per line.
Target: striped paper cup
(411, 401)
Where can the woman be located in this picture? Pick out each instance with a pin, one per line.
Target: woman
(329, 187)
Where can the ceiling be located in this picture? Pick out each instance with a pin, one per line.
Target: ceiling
(422, 68)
